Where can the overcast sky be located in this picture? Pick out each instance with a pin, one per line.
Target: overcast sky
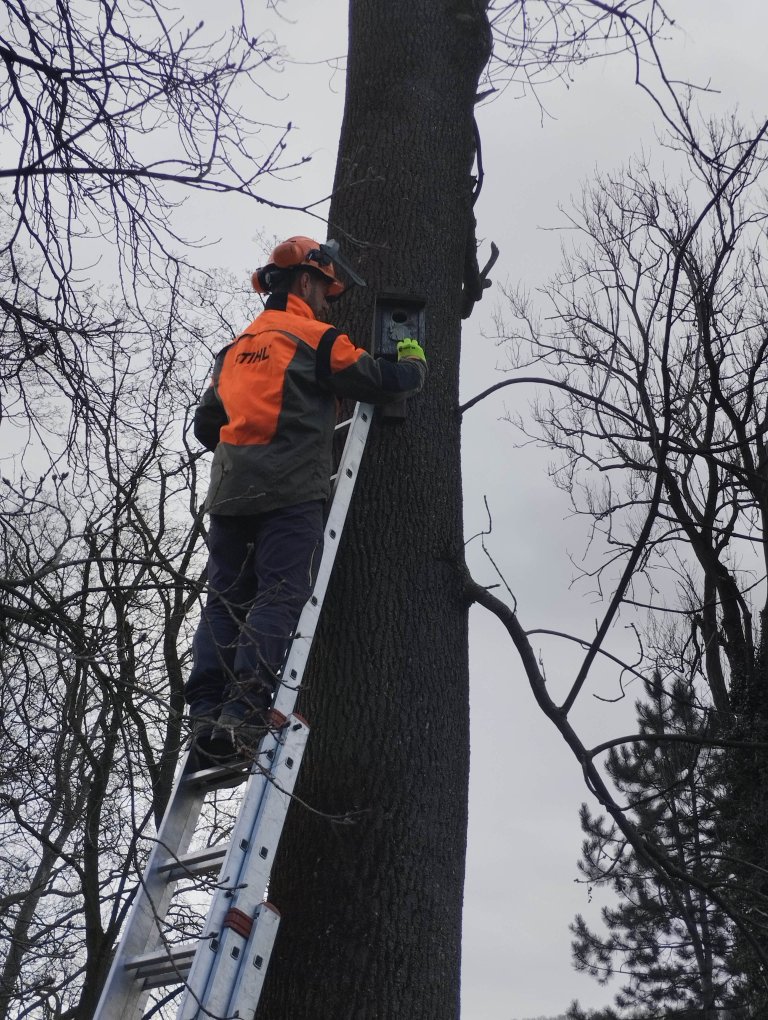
(525, 789)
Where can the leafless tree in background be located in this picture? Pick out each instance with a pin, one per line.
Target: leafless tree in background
(654, 354)
(110, 113)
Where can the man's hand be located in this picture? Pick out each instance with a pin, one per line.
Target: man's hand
(410, 349)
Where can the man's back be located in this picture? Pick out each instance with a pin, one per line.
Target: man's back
(272, 406)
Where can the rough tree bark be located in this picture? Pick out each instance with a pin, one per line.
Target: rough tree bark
(370, 880)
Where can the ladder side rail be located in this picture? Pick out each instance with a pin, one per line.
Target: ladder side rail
(301, 645)
(121, 997)
(229, 873)
(216, 966)
(256, 957)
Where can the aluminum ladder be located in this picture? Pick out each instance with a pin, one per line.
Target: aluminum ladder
(221, 973)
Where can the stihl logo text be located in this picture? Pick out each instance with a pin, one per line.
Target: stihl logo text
(253, 357)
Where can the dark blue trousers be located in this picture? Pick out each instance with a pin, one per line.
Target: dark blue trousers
(261, 570)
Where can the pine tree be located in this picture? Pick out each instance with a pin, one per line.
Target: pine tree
(667, 940)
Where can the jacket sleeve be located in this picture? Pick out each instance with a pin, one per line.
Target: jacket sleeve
(210, 415)
(349, 371)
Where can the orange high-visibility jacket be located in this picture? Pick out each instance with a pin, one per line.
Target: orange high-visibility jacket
(270, 410)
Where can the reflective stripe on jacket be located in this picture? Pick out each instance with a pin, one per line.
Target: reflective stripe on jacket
(270, 410)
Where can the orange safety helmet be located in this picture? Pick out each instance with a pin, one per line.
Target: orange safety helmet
(293, 253)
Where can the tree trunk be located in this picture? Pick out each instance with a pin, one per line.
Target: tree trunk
(370, 877)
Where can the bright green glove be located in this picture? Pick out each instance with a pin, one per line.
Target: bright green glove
(410, 349)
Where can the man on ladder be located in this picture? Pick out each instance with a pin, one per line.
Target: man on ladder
(269, 415)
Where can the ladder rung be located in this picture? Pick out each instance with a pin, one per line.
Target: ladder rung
(163, 980)
(342, 424)
(199, 862)
(220, 777)
(164, 966)
(334, 477)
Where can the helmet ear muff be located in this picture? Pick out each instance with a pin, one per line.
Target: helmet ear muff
(288, 254)
(259, 282)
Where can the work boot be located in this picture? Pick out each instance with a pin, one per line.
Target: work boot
(246, 732)
(209, 748)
